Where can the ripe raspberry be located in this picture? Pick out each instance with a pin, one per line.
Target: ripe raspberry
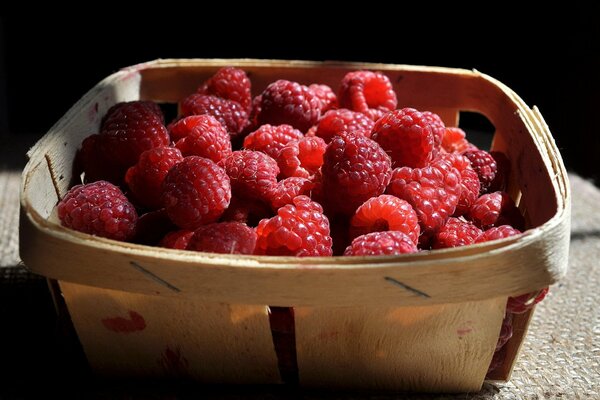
(207, 139)
(299, 229)
(229, 83)
(495, 209)
(285, 102)
(94, 163)
(98, 208)
(224, 238)
(336, 122)
(325, 95)
(247, 211)
(385, 213)
(149, 105)
(499, 232)
(177, 239)
(432, 191)
(152, 226)
(525, 302)
(302, 158)
(182, 127)
(407, 136)
(381, 243)
(271, 139)
(456, 233)
(286, 190)
(253, 115)
(229, 113)
(146, 177)
(469, 181)
(438, 127)
(354, 169)
(500, 181)
(506, 331)
(195, 192)
(484, 164)
(252, 173)
(454, 141)
(370, 93)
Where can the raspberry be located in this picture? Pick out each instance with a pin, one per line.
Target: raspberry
(455, 233)
(506, 331)
(336, 122)
(252, 173)
(255, 109)
(381, 243)
(152, 226)
(302, 158)
(224, 238)
(248, 211)
(208, 139)
(385, 213)
(285, 102)
(229, 83)
(525, 302)
(299, 229)
(286, 190)
(484, 164)
(469, 181)
(500, 181)
(182, 127)
(407, 136)
(499, 232)
(325, 95)
(146, 177)
(370, 93)
(454, 141)
(432, 191)
(195, 192)
(438, 127)
(94, 163)
(495, 209)
(354, 169)
(177, 239)
(98, 208)
(149, 105)
(271, 139)
(229, 113)
(497, 360)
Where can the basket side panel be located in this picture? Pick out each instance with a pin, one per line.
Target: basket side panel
(155, 336)
(442, 348)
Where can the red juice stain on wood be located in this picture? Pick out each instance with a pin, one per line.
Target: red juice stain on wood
(134, 323)
(173, 361)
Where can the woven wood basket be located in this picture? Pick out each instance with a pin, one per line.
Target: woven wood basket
(424, 322)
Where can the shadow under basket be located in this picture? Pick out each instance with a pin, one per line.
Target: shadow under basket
(424, 322)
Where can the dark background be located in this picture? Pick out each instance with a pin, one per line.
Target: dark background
(551, 59)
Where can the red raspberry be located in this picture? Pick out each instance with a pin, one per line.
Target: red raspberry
(271, 139)
(224, 238)
(177, 239)
(506, 331)
(325, 95)
(385, 213)
(484, 164)
(299, 229)
(149, 105)
(229, 113)
(525, 302)
(495, 209)
(432, 191)
(498, 232)
(207, 139)
(94, 163)
(438, 127)
(370, 93)
(146, 177)
(454, 141)
(182, 127)
(500, 181)
(254, 112)
(469, 181)
(248, 211)
(252, 173)
(336, 122)
(285, 191)
(302, 158)
(98, 208)
(229, 83)
(407, 136)
(381, 243)
(354, 169)
(456, 233)
(195, 192)
(152, 226)
(285, 102)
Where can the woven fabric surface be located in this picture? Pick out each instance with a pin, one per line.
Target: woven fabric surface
(560, 357)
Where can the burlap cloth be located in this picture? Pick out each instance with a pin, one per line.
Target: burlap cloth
(560, 357)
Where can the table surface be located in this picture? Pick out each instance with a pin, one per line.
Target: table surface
(560, 357)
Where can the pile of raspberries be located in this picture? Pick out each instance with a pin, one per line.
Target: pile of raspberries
(294, 171)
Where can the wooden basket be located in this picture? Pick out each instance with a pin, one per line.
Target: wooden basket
(426, 321)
